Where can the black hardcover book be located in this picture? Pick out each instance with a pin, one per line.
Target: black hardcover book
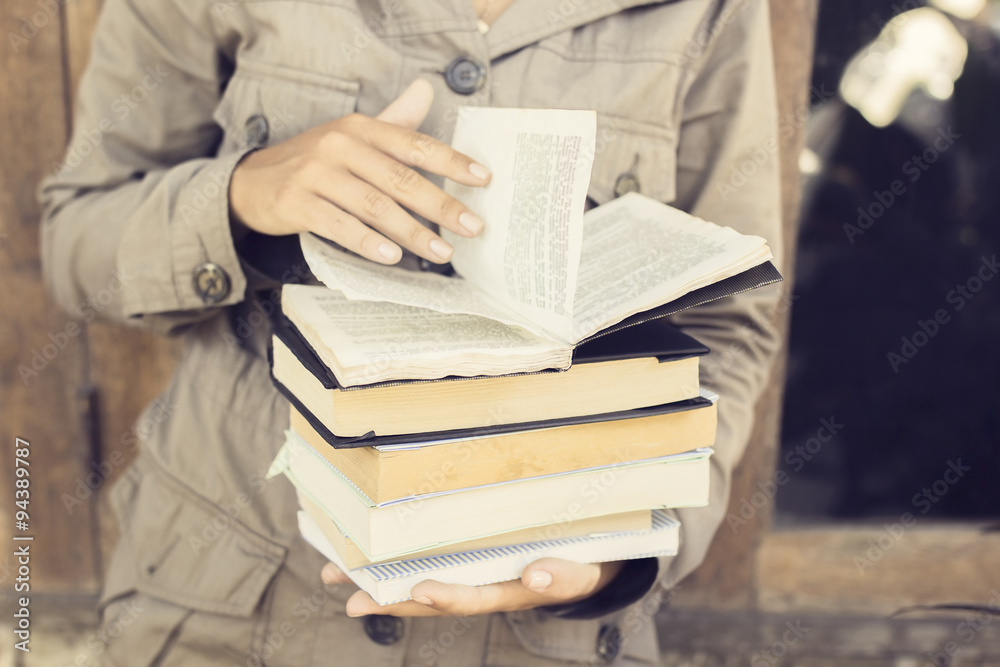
(655, 338)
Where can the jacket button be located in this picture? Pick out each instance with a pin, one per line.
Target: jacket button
(464, 75)
(609, 642)
(211, 282)
(258, 131)
(384, 630)
(625, 184)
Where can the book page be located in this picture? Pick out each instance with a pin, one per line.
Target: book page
(361, 279)
(374, 341)
(527, 256)
(639, 254)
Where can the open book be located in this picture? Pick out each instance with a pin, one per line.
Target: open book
(540, 279)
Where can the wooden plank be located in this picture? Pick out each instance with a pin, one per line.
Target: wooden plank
(726, 578)
(878, 569)
(81, 17)
(802, 639)
(41, 408)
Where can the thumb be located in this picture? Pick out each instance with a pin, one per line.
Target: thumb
(411, 107)
(562, 579)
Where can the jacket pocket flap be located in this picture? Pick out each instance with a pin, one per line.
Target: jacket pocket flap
(267, 104)
(195, 554)
(628, 156)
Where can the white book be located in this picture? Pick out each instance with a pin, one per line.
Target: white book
(396, 527)
(392, 582)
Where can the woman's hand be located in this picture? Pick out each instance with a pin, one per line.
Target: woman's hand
(548, 581)
(348, 179)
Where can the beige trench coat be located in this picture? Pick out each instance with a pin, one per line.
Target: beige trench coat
(210, 569)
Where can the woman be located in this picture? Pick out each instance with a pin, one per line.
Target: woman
(207, 133)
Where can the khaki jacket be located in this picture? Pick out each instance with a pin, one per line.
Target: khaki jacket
(210, 568)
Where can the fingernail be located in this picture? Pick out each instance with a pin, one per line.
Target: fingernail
(423, 599)
(539, 580)
(479, 171)
(472, 222)
(387, 250)
(441, 249)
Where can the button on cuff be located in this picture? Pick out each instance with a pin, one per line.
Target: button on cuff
(211, 282)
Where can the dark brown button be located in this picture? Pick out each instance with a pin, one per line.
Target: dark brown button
(258, 131)
(609, 642)
(211, 282)
(384, 630)
(464, 75)
(625, 184)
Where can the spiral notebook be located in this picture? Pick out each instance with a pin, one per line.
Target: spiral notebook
(391, 582)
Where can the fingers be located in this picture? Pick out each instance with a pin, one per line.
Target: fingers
(419, 150)
(329, 221)
(411, 107)
(383, 219)
(412, 190)
(362, 604)
(331, 575)
(350, 179)
(547, 581)
(562, 580)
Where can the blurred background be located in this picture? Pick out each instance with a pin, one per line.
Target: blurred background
(864, 524)
(900, 222)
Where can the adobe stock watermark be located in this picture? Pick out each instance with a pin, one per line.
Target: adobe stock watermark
(756, 158)
(915, 168)
(158, 412)
(924, 500)
(301, 612)
(958, 298)
(774, 654)
(102, 638)
(41, 356)
(750, 332)
(434, 649)
(88, 139)
(48, 10)
(213, 527)
(967, 631)
(796, 459)
(372, 27)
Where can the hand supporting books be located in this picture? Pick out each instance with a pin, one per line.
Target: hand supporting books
(348, 179)
(546, 582)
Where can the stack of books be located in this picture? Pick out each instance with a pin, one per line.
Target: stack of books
(460, 428)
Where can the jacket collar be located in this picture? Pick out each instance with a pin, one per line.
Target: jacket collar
(524, 22)
(528, 21)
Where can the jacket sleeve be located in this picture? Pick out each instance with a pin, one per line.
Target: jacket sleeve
(728, 172)
(139, 207)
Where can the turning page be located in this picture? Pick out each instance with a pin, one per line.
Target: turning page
(527, 255)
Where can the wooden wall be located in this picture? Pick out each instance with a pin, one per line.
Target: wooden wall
(78, 407)
(75, 411)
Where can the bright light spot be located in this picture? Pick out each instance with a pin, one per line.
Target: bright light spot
(809, 162)
(919, 49)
